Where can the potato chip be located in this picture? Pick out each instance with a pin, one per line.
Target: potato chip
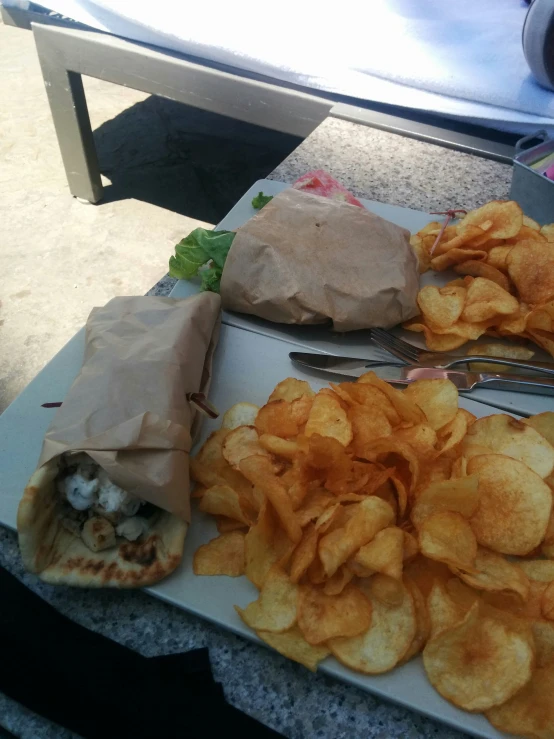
(423, 623)
(541, 570)
(384, 450)
(328, 418)
(276, 418)
(425, 572)
(263, 548)
(441, 306)
(497, 257)
(421, 252)
(275, 608)
(544, 424)
(455, 256)
(368, 424)
(387, 640)
(531, 267)
(530, 712)
(225, 525)
(410, 547)
(444, 612)
(304, 554)
(459, 496)
(337, 546)
(221, 556)
(241, 443)
(240, 414)
(447, 537)
(452, 433)
(547, 603)
(530, 223)
(483, 269)
(493, 572)
(505, 215)
(543, 635)
(300, 410)
(291, 389)
(211, 466)
(322, 617)
(386, 589)
(291, 644)
(314, 504)
(485, 300)
(280, 447)
(514, 504)
(384, 553)
(503, 434)
(463, 237)
(438, 399)
(422, 438)
(259, 471)
(221, 500)
(369, 396)
(337, 582)
(548, 232)
(435, 342)
(480, 662)
(404, 406)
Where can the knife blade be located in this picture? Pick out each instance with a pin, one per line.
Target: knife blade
(403, 374)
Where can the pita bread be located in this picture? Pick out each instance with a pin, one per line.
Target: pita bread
(60, 557)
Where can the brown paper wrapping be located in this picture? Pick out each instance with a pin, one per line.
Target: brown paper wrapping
(128, 408)
(307, 259)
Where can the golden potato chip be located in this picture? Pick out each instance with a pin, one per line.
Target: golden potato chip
(441, 306)
(530, 712)
(225, 525)
(425, 572)
(370, 516)
(240, 414)
(503, 434)
(300, 410)
(410, 547)
(452, 433)
(436, 470)
(447, 537)
(368, 424)
(543, 635)
(444, 612)
(291, 644)
(483, 269)
(221, 556)
(493, 572)
(276, 418)
(291, 389)
(544, 424)
(386, 589)
(540, 326)
(480, 662)
(485, 300)
(259, 471)
(459, 496)
(435, 342)
(322, 617)
(277, 445)
(421, 437)
(421, 252)
(211, 468)
(384, 553)
(241, 443)
(541, 570)
(199, 490)
(314, 504)
(506, 219)
(404, 406)
(263, 547)
(384, 450)
(386, 641)
(527, 234)
(221, 500)
(423, 623)
(369, 396)
(548, 232)
(530, 223)
(304, 554)
(275, 608)
(531, 267)
(547, 603)
(463, 237)
(205, 476)
(328, 418)
(497, 256)
(337, 582)
(438, 399)
(455, 256)
(514, 504)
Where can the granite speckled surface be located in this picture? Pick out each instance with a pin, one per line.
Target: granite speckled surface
(375, 165)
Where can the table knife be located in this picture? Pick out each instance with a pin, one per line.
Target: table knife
(402, 374)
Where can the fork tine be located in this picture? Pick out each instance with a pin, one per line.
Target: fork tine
(396, 346)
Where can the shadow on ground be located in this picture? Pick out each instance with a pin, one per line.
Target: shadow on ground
(184, 159)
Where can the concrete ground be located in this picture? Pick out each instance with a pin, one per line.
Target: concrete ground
(168, 168)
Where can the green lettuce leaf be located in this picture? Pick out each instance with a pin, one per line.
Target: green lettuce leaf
(202, 247)
(260, 200)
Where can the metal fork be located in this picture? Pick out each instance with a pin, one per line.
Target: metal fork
(424, 357)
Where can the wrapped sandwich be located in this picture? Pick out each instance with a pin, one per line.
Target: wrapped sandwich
(308, 258)
(109, 502)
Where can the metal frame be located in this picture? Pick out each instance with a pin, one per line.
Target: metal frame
(67, 50)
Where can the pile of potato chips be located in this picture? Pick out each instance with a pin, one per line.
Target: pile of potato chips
(507, 286)
(378, 524)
